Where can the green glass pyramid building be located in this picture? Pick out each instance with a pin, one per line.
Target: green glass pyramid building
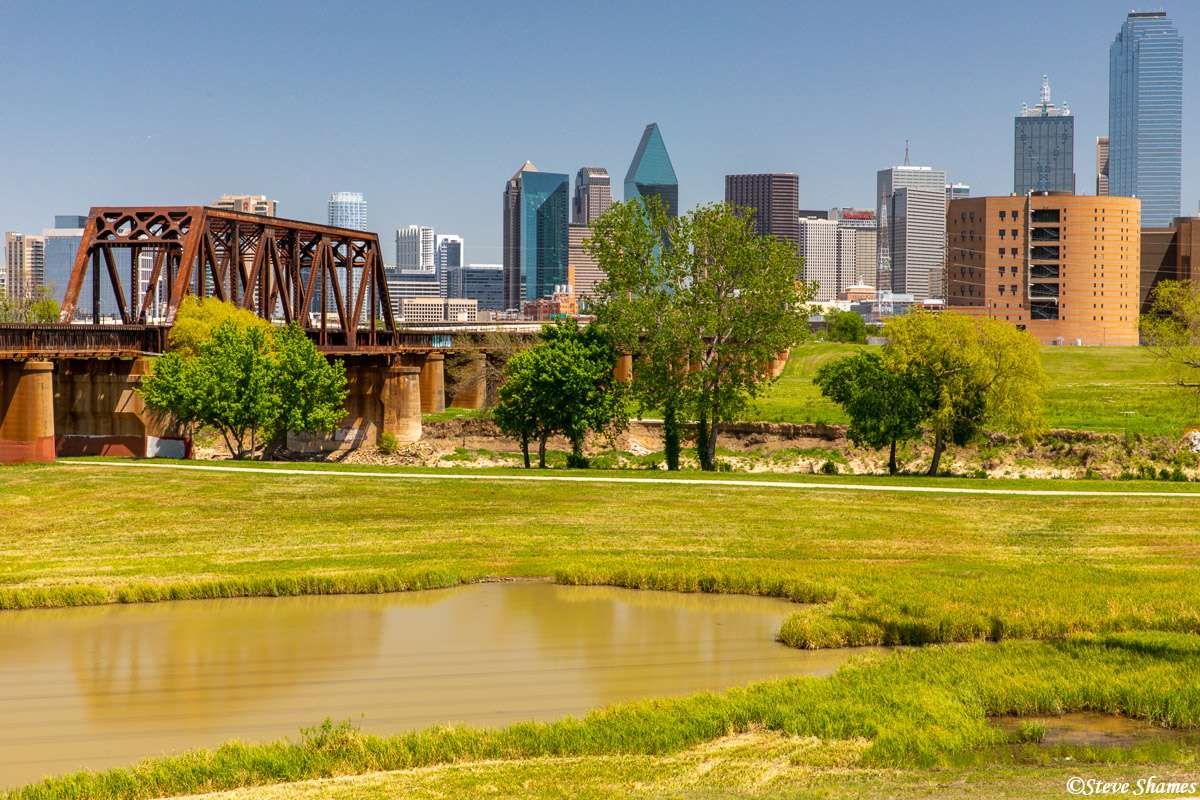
(651, 173)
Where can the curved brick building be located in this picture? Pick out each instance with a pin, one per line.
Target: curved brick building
(1065, 267)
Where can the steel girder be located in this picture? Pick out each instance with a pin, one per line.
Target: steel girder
(278, 268)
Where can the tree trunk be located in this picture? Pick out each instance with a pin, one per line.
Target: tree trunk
(892, 459)
(939, 444)
(525, 448)
(542, 450)
(671, 436)
(712, 437)
(702, 440)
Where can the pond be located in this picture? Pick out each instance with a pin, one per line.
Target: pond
(107, 686)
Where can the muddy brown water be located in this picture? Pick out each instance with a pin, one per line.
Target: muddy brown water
(1089, 729)
(108, 686)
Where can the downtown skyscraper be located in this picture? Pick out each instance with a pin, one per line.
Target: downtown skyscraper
(593, 195)
(1145, 115)
(911, 209)
(1043, 147)
(651, 174)
(775, 198)
(536, 206)
(348, 210)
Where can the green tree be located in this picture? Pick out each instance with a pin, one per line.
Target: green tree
(564, 384)
(249, 382)
(637, 306)
(196, 320)
(308, 390)
(519, 407)
(38, 307)
(846, 326)
(884, 407)
(702, 302)
(1171, 331)
(974, 373)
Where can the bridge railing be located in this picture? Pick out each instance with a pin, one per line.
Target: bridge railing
(44, 341)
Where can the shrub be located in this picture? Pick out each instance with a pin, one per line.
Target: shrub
(829, 468)
(1032, 732)
(387, 444)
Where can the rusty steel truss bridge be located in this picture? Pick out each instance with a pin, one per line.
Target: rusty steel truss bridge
(279, 269)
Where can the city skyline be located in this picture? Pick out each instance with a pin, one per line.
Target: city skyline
(843, 126)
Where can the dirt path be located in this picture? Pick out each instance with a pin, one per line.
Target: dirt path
(610, 479)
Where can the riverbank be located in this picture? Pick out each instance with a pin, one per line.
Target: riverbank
(899, 567)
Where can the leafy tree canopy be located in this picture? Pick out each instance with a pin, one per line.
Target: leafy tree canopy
(564, 384)
(38, 307)
(975, 372)
(846, 326)
(250, 383)
(197, 319)
(702, 302)
(1171, 331)
(884, 407)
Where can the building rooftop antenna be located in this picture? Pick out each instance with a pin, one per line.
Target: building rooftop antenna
(1045, 90)
(906, 153)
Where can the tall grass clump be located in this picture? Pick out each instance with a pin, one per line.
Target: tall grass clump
(272, 586)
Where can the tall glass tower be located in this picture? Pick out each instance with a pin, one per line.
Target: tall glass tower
(651, 174)
(1043, 147)
(1145, 115)
(348, 210)
(536, 206)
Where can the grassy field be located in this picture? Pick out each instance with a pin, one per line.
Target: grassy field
(1109, 581)
(983, 566)
(1103, 389)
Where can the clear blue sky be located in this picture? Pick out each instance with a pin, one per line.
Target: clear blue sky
(427, 108)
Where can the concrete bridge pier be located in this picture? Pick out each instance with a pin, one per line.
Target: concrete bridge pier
(623, 371)
(471, 391)
(26, 412)
(381, 397)
(97, 411)
(778, 363)
(433, 383)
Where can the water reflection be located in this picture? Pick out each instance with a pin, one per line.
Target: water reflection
(102, 686)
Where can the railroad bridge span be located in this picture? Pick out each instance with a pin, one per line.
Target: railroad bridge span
(69, 388)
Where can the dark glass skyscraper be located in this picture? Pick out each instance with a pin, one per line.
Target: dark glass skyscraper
(1145, 115)
(775, 199)
(1044, 147)
(535, 234)
(651, 174)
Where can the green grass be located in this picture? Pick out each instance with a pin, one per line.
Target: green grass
(918, 709)
(894, 568)
(556, 466)
(452, 413)
(1108, 583)
(1103, 389)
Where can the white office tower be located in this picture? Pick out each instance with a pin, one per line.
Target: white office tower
(911, 209)
(348, 210)
(448, 255)
(415, 248)
(829, 255)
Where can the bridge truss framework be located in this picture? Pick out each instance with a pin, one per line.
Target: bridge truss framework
(268, 265)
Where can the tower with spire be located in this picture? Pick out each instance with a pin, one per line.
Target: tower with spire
(1044, 146)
